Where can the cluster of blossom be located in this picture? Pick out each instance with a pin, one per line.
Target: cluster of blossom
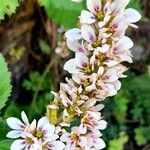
(100, 46)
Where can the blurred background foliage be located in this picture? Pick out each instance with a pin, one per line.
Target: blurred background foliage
(33, 44)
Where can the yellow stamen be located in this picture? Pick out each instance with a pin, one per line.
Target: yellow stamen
(87, 69)
(100, 16)
(96, 44)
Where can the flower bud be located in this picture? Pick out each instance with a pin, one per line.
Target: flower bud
(52, 113)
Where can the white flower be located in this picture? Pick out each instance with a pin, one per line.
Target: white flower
(18, 126)
(92, 121)
(120, 50)
(94, 42)
(94, 141)
(44, 130)
(80, 64)
(73, 139)
(27, 142)
(96, 13)
(73, 35)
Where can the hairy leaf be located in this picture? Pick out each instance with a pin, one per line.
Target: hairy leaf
(5, 84)
(63, 12)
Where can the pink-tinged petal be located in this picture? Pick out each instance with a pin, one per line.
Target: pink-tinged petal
(73, 34)
(132, 16)
(58, 145)
(65, 137)
(111, 89)
(124, 57)
(107, 8)
(98, 107)
(94, 6)
(18, 145)
(102, 124)
(83, 142)
(99, 143)
(70, 66)
(15, 123)
(111, 63)
(33, 125)
(87, 17)
(110, 75)
(13, 134)
(75, 46)
(96, 115)
(42, 122)
(125, 43)
(120, 4)
(88, 33)
(24, 118)
(96, 134)
(70, 146)
(81, 60)
(100, 71)
(82, 129)
(117, 85)
(104, 48)
(50, 129)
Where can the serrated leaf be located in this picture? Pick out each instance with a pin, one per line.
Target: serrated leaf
(5, 84)
(63, 12)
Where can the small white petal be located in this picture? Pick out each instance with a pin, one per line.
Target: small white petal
(70, 66)
(88, 33)
(81, 60)
(99, 143)
(65, 137)
(102, 124)
(18, 145)
(87, 17)
(75, 46)
(73, 34)
(125, 43)
(24, 118)
(132, 16)
(58, 145)
(15, 123)
(13, 134)
(94, 6)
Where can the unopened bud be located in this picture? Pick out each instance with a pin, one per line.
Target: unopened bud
(52, 113)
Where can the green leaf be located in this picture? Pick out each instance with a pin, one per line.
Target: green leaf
(45, 48)
(8, 7)
(5, 84)
(142, 135)
(5, 144)
(118, 144)
(63, 12)
(135, 5)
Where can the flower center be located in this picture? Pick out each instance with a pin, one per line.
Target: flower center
(111, 30)
(100, 16)
(96, 44)
(86, 83)
(87, 69)
(39, 134)
(109, 41)
(29, 141)
(86, 120)
(101, 57)
(75, 137)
